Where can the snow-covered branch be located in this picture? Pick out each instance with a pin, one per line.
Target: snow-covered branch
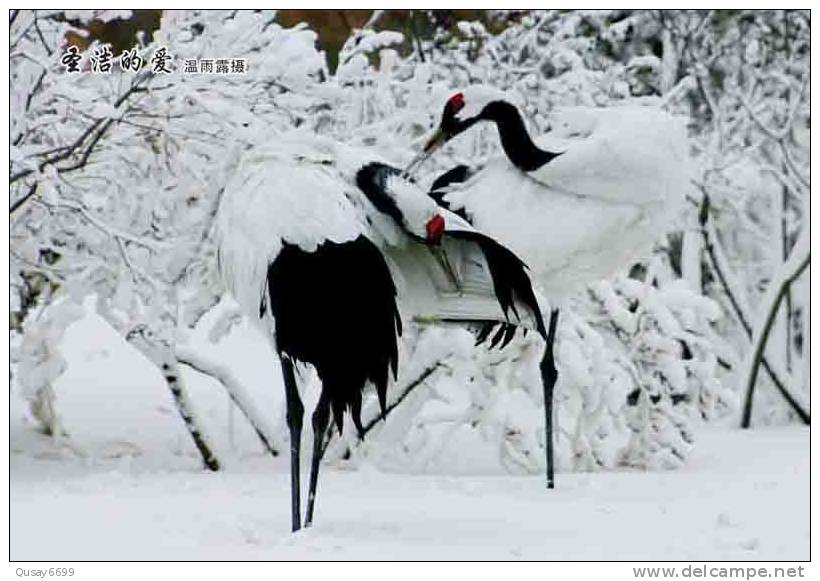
(723, 273)
(235, 390)
(161, 355)
(791, 270)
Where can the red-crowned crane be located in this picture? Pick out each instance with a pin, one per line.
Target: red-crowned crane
(329, 251)
(578, 203)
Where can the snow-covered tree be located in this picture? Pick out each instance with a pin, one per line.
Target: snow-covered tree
(115, 180)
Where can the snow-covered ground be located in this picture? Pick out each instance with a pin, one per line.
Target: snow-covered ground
(744, 496)
(132, 489)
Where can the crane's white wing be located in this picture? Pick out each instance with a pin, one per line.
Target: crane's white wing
(286, 194)
(620, 155)
(454, 281)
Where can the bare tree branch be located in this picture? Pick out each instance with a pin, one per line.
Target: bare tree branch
(791, 270)
(32, 189)
(47, 48)
(717, 267)
(95, 131)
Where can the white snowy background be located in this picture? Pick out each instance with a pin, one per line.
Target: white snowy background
(114, 182)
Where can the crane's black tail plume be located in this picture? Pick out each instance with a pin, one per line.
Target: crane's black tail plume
(335, 307)
(510, 279)
(511, 285)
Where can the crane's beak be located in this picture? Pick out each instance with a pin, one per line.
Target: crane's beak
(436, 140)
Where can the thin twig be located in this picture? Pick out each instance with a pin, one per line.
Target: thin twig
(370, 424)
(150, 245)
(40, 34)
(709, 245)
(100, 126)
(31, 191)
(762, 337)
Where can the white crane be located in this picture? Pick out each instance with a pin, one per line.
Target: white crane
(578, 203)
(327, 251)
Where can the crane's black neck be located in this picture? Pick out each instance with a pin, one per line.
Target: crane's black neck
(515, 140)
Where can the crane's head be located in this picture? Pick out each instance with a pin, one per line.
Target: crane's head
(461, 111)
(400, 199)
(415, 211)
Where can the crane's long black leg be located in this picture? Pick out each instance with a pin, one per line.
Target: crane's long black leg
(321, 417)
(549, 375)
(295, 413)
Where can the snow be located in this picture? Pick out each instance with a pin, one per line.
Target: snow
(471, 28)
(374, 41)
(132, 488)
(644, 360)
(742, 497)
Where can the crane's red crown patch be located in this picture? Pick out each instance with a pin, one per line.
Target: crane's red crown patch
(435, 228)
(456, 102)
